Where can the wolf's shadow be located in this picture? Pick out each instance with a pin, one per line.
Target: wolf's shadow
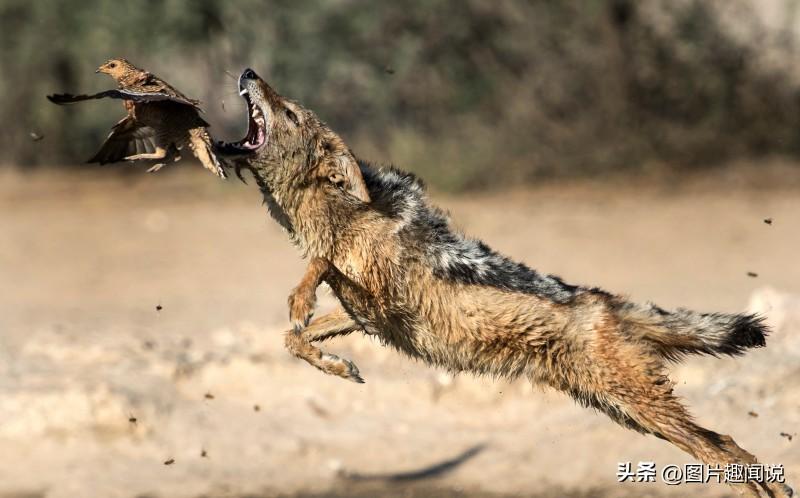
(435, 470)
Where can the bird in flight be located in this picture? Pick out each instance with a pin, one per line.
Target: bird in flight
(160, 122)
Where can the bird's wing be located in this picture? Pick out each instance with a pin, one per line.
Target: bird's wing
(124, 94)
(152, 83)
(127, 138)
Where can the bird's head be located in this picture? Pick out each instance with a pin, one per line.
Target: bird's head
(116, 68)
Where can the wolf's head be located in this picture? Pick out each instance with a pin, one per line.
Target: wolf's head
(301, 165)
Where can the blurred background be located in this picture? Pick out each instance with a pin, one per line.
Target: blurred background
(649, 147)
(535, 89)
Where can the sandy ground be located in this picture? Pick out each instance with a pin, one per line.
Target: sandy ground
(85, 259)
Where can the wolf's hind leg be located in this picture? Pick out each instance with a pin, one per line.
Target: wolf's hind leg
(334, 324)
(650, 406)
(627, 382)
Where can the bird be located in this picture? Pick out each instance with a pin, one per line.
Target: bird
(160, 121)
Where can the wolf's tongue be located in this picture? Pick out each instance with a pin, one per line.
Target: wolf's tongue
(258, 139)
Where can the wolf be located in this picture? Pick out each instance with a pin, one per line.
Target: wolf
(402, 274)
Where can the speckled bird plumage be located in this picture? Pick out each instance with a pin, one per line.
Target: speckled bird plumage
(160, 120)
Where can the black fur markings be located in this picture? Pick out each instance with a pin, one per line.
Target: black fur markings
(473, 262)
(747, 331)
(392, 192)
(400, 195)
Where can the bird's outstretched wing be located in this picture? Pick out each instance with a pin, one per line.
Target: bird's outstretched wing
(150, 83)
(134, 95)
(127, 138)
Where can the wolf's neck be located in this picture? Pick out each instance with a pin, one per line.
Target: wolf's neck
(312, 236)
(276, 211)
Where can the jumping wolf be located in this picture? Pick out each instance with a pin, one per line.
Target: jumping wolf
(403, 274)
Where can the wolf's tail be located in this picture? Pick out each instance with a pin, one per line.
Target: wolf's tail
(675, 334)
(203, 149)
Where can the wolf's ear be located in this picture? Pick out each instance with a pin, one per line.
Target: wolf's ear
(347, 176)
(340, 168)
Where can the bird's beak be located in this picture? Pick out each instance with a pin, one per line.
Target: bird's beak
(97, 70)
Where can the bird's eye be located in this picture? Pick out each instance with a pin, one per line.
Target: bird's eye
(112, 65)
(293, 117)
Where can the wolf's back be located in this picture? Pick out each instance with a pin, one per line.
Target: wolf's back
(677, 333)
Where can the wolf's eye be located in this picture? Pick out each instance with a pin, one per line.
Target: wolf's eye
(293, 117)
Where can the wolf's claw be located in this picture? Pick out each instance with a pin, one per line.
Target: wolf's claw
(346, 369)
(353, 373)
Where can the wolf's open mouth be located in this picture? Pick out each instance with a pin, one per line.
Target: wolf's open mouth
(256, 127)
(256, 124)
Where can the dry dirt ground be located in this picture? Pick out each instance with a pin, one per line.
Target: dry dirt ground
(86, 259)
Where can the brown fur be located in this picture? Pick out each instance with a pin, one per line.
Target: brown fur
(593, 346)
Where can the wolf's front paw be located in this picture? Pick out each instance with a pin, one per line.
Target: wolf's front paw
(301, 307)
(332, 364)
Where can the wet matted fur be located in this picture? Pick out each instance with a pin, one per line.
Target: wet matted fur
(403, 274)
